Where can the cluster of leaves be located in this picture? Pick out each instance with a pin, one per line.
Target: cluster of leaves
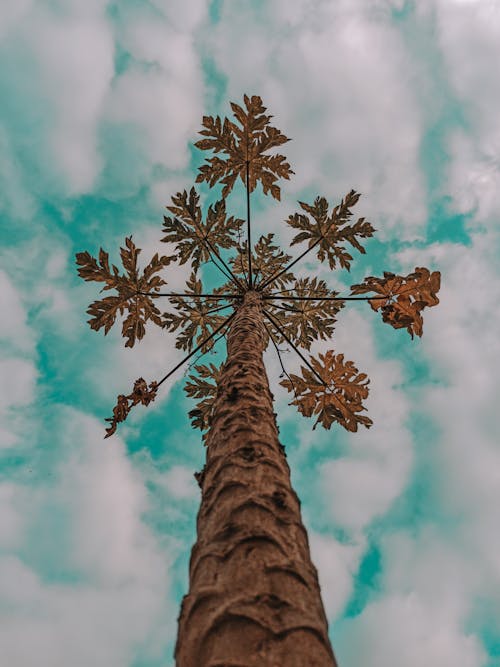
(195, 319)
(142, 393)
(268, 260)
(331, 232)
(308, 320)
(135, 291)
(203, 386)
(405, 297)
(244, 142)
(196, 238)
(300, 311)
(332, 390)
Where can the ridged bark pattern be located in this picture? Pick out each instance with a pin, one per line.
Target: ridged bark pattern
(254, 598)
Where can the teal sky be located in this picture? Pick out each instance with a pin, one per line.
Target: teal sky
(100, 104)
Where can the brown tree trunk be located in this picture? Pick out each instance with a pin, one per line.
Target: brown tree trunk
(254, 598)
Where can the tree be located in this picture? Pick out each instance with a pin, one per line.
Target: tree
(254, 597)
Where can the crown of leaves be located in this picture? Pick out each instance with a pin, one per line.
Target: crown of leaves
(298, 311)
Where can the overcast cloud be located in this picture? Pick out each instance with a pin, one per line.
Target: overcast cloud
(101, 102)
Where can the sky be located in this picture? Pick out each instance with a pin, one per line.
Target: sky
(101, 102)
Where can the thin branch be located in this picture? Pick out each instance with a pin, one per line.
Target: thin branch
(228, 273)
(195, 361)
(249, 242)
(192, 296)
(282, 291)
(280, 330)
(213, 310)
(287, 268)
(280, 359)
(287, 308)
(303, 254)
(324, 298)
(240, 253)
(231, 275)
(223, 271)
(197, 348)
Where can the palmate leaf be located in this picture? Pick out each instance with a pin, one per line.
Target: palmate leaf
(331, 233)
(129, 286)
(141, 393)
(406, 296)
(267, 260)
(306, 321)
(194, 236)
(195, 320)
(247, 139)
(203, 386)
(338, 399)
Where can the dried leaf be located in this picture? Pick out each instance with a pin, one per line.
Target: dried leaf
(194, 236)
(306, 321)
(267, 260)
(338, 399)
(247, 139)
(203, 386)
(330, 233)
(195, 320)
(142, 393)
(130, 287)
(406, 296)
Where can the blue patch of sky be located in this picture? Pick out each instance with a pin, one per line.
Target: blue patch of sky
(443, 114)
(120, 204)
(215, 10)
(365, 582)
(483, 622)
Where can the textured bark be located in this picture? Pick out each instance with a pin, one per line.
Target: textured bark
(254, 597)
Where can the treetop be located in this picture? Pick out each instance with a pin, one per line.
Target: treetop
(298, 311)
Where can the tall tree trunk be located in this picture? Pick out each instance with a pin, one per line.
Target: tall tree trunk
(254, 597)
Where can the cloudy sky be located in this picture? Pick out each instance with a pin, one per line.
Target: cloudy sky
(101, 101)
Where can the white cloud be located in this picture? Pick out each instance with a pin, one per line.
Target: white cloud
(118, 602)
(11, 519)
(460, 340)
(180, 483)
(17, 382)
(339, 79)
(474, 178)
(15, 199)
(337, 564)
(466, 409)
(18, 373)
(11, 14)
(403, 630)
(362, 485)
(469, 36)
(40, 270)
(428, 583)
(106, 500)
(74, 52)
(161, 93)
(14, 329)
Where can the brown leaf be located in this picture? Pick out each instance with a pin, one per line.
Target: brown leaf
(194, 235)
(337, 399)
(195, 319)
(134, 292)
(141, 393)
(330, 233)
(246, 140)
(406, 297)
(203, 386)
(305, 321)
(267, 260)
